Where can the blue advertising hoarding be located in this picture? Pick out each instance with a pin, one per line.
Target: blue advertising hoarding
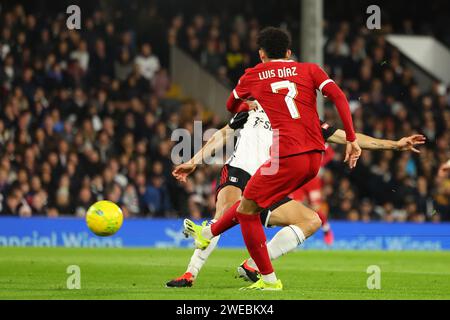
(72, 232)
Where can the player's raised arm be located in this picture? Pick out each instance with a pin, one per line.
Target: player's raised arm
(370, 143)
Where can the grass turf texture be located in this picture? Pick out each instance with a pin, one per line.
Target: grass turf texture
(40, 273)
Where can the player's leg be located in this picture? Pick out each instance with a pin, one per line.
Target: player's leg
(203, 234)
(295, 213)
(314, 192)
(263, 190)
(268, 190)
(293, 172)
(255, 238)
(228, 192)
(298, 221)
(328, 235)
(246, 213)
(226, 197)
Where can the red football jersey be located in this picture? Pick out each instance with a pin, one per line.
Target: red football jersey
(286, 90)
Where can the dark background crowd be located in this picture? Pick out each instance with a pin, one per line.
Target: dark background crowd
(88, 114)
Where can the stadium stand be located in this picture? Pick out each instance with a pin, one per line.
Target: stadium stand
(88, 115)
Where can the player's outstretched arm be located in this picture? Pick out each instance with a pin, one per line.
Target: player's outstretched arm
(370, 143)
(218, 140)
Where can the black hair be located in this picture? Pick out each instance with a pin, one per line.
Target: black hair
(274, 41)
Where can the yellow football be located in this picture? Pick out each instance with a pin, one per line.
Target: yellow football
(104, 218)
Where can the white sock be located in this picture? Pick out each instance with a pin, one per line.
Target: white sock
(269, 278)
(199, 257)
(284, 241)
(207, 233)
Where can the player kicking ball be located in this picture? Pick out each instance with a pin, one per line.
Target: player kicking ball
(286, 91)
(255, 138)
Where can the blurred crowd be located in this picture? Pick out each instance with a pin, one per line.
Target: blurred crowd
(86, 115)
(387, 102)
(385, 99)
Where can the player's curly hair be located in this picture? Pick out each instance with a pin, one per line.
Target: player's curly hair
(274, 41)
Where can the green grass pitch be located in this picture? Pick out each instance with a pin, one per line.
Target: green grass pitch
(40, 273)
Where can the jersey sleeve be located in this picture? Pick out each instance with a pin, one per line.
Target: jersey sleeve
(319, 77)
(242, 90)
(327, 130)
(335, 94)
(237, 105)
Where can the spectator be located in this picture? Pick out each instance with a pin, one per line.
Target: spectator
(131, 200)
(161, 83)
(39, 203)
(156, 196)
(81, 106)
(235, 58)
(81, 55)
(123, 66)
(83, 202)
(211, 59)
(148, 64)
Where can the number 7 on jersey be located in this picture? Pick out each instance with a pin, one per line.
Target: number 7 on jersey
(290, 96)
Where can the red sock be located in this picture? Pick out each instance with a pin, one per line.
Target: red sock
(227, 221)
(255, 240)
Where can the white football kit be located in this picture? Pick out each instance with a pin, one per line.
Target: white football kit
(252, 148)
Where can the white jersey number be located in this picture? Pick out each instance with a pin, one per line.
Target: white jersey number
(290, 96)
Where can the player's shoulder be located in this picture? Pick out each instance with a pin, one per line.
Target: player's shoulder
(311, 70)
(257, 67)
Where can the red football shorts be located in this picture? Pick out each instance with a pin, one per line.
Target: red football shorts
(311, 191)
(268, 186)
